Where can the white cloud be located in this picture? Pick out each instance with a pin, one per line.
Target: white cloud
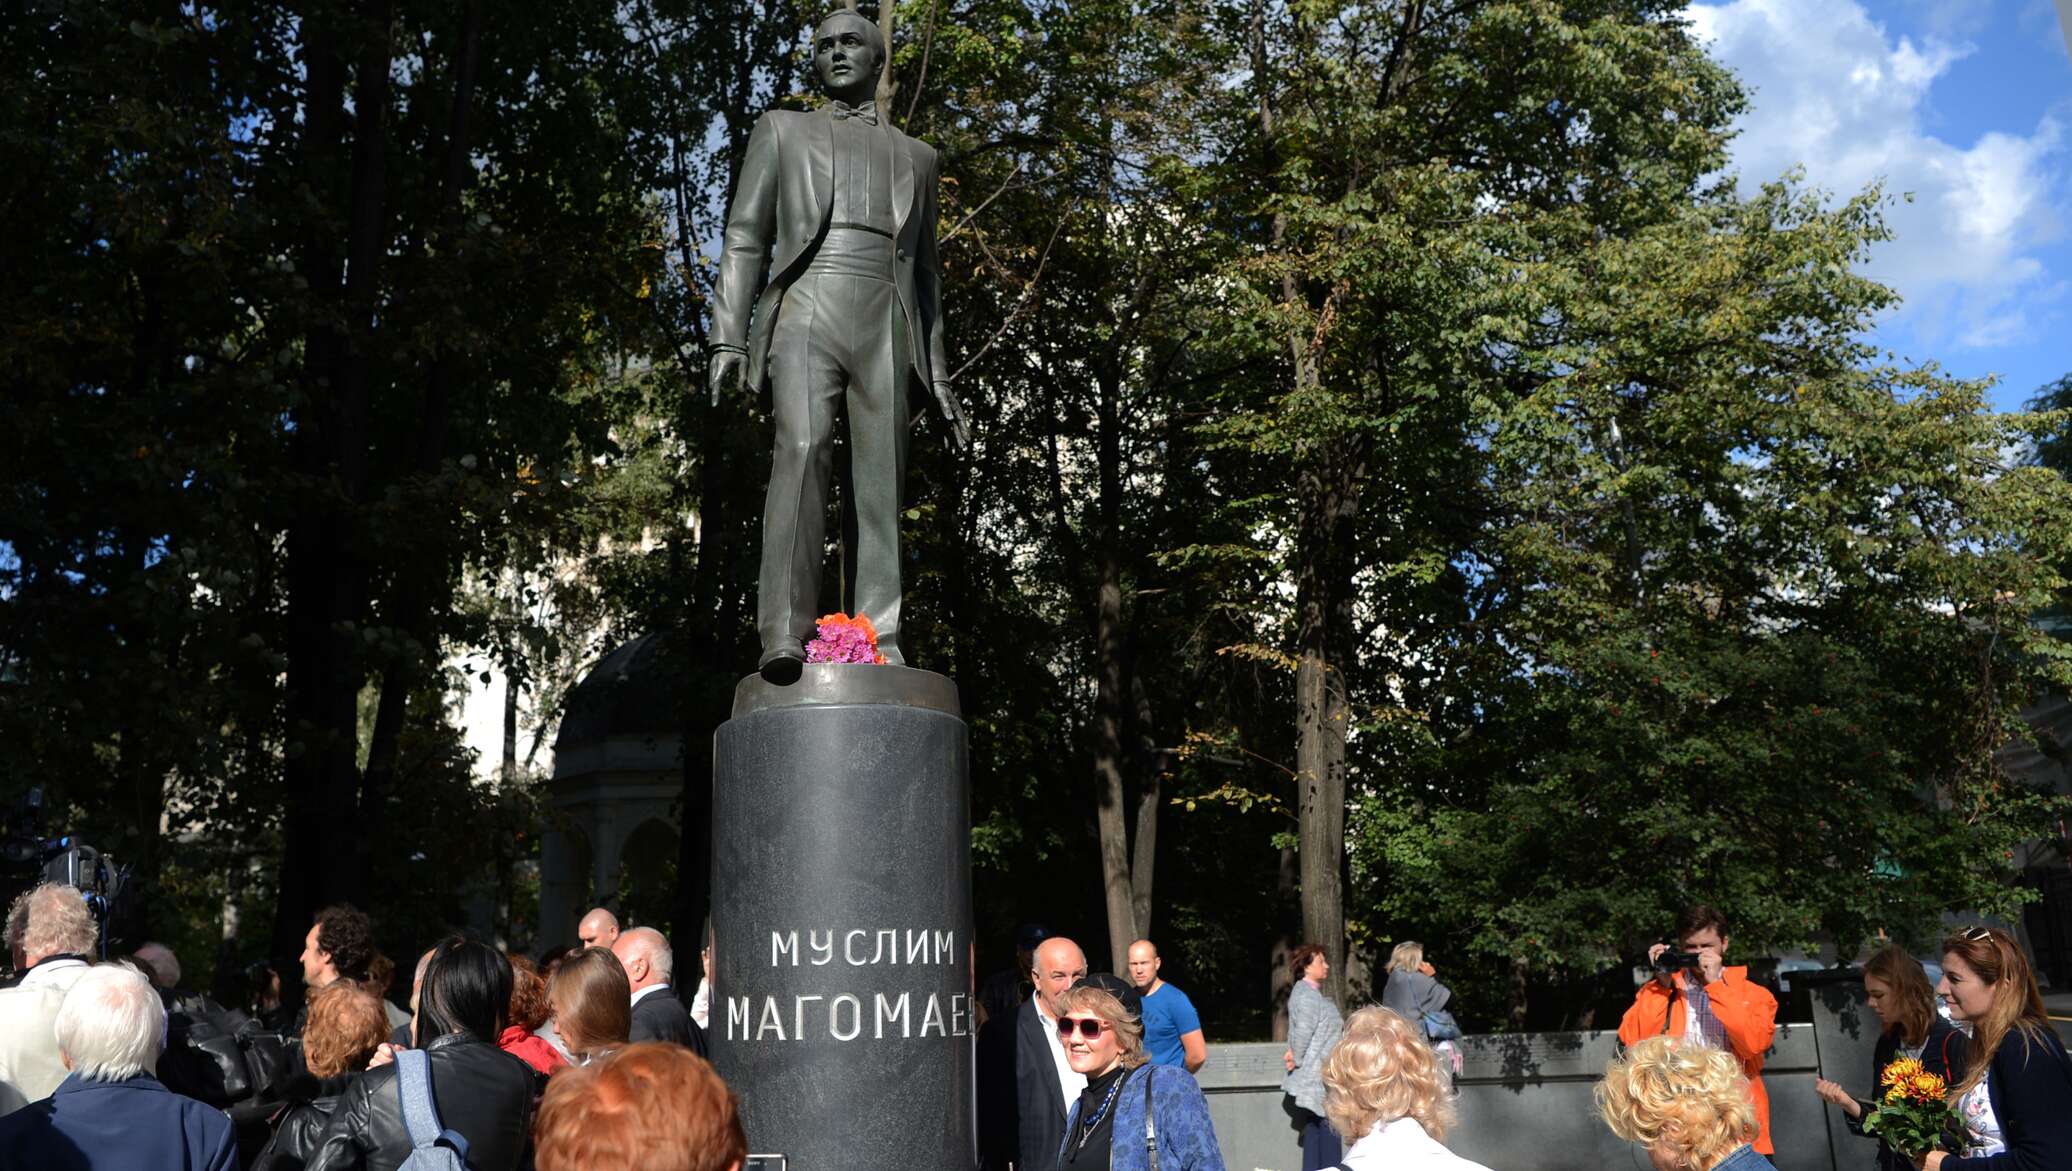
(1834, 92)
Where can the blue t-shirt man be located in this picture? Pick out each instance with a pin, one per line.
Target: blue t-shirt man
(1172, 1029)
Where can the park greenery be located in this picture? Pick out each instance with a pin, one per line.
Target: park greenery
(1419, 491)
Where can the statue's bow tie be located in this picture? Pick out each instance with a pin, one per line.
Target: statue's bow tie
(864, 112)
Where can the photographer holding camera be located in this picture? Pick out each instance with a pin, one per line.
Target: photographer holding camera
(1697, 999)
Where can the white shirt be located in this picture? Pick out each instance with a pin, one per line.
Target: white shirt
(29, 1064)
(701, 1004)
(53, 974)
(1981, 1125)
(1403, 1145)
(1070, 1080)
(646, 990)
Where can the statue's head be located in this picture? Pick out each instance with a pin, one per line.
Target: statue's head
(849, 52)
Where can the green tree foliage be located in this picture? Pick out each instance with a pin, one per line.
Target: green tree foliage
(1416, 493)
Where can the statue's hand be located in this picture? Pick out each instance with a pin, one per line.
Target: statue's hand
(953, 414)
(725, 372)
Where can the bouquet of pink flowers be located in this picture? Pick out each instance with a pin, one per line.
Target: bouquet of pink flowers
(843, 639)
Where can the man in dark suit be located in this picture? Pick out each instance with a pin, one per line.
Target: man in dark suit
(1044, 1084)
(110, 1113)
(849, 320)
(657, 1014)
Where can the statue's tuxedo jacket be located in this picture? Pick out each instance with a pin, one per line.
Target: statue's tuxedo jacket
(781, 209)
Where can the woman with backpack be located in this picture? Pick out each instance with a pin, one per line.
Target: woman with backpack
(457, 1086)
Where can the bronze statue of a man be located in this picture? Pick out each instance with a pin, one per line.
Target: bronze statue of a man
(850, 319)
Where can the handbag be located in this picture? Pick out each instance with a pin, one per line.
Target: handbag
(1439, 1025)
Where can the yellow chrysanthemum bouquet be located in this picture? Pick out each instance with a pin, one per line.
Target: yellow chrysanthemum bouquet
(1913, 1112)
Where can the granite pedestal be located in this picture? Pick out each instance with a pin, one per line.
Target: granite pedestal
(841, 914)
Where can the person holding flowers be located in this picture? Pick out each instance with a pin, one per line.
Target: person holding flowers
(1912, 1031)
(2014, 1097)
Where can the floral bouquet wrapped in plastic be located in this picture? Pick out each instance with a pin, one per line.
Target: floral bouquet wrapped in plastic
(1913, 1113)
(842, 639)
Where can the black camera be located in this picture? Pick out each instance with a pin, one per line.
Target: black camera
(1676, 961)
(29, 857)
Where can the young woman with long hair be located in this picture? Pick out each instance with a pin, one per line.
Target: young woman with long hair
(1898, 991)
(2015, 1093)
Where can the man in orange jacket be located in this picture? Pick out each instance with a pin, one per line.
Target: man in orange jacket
(1711, 1004)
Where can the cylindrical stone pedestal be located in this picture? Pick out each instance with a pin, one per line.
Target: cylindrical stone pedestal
(841, 917)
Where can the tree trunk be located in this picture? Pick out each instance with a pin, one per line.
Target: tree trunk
(1110, 693)
(1145, 852)
(423, 584)
(1108, 787)
(1281, 980)
(1322, 588)
(322, 858)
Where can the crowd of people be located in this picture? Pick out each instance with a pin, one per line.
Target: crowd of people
(590, 1058)
(586, 1059)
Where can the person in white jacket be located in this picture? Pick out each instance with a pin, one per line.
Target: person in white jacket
(1384, 1091)
(52, 934)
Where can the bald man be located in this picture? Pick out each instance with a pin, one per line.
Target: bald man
(657, 1014)
(599, 928)
(1172, 1029)
(1045, 1083)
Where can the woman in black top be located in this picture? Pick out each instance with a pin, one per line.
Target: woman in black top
(2015, 1093)
(1128, 1104)
(1899, 993)
(346, 1025)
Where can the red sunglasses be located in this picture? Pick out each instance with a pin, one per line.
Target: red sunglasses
(1090, 1029)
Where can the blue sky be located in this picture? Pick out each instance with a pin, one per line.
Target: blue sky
(1965, 104)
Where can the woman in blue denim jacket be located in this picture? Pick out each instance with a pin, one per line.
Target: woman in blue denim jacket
(1687, 1104)
(1129, 1108)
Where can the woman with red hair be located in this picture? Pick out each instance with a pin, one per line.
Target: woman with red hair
(647, 1107)
(527, 1012)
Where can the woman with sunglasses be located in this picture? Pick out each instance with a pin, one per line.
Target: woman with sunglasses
(2015, 1093)
(1128, 1106)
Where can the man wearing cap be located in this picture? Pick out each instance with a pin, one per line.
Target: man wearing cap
(1172, 1029)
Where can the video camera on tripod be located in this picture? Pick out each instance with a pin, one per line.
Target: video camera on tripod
(29, 857)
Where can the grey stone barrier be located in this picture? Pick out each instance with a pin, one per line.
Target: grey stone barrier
(1525, 1105)
(1525, 1101)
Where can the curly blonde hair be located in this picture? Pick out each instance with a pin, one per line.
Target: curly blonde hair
(1129, 1030)
(1684, 1099)
(1382, 1070)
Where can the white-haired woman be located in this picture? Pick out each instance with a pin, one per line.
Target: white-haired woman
(1384, 1091)
(110, 1111)
(1689, 1105)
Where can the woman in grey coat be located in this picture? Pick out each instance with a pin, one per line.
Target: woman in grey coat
(1313, 1028)
(1412, 992)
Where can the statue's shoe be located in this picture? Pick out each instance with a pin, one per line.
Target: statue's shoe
(782, 666)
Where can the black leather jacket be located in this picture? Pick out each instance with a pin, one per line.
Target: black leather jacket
(481, 1091)
(300, 1124)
